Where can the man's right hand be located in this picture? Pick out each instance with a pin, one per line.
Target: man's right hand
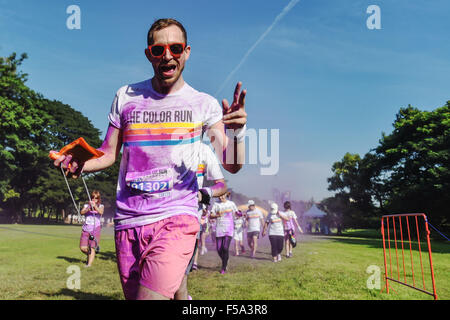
(72, 168)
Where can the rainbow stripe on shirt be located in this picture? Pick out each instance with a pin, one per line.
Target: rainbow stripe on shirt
(224, 211)
(200, 170)
(162, 134)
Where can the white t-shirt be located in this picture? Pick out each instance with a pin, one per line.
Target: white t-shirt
(254, 220)
(275, 225)
(92, 219)
(289, 225)
(210, 165)
(225, 222)
(238, 223)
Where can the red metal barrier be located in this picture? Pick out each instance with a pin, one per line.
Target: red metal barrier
(399, 218)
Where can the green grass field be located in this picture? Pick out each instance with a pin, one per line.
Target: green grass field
(34, 260)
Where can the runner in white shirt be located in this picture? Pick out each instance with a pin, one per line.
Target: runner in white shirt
(238, 234)
(223, 212)
(274, 222)
(254, 221)
(210, 166)
(290, 218)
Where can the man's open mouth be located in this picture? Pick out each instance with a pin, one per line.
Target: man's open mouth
(168, 70)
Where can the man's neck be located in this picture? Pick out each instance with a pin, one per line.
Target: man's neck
(162, 89)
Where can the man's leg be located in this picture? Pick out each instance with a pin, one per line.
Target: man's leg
(250, 241)
(147, 294)
(255, 245)
(167, 249)
(127, 253)
(182, 292)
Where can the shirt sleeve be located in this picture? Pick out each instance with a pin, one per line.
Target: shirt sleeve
(213, 113)
(261, 214)
(114, 116)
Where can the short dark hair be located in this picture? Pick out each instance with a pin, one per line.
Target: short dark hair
(287, 205)
(161, 24)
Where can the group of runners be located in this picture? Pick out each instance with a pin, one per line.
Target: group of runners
(224, 222)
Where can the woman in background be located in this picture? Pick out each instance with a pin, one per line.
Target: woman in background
(289, 219)
(223, 212)
(90, 235)
(274, 223)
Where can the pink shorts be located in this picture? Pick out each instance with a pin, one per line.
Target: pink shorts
(156, 255)
(84, 239)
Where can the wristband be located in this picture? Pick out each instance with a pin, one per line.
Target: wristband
(239, 134)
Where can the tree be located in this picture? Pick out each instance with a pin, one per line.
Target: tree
(352, 181)
(415, 162)
(31, 126)
(23, 122)
(409, 171)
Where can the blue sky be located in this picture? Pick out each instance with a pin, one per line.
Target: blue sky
(320, 76)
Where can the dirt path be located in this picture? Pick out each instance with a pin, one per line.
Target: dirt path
(211, 259)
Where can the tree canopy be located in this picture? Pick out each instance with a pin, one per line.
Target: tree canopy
(31, 126)
(408, 172)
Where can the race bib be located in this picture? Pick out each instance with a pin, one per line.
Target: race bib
(90, 220)
(156, 182)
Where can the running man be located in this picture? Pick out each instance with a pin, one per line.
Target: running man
(208, 164)
(254, 221)
(159, 123)
(289, 219)
(223, 212)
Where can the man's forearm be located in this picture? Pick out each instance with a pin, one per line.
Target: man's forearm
(110, 147)
(229, 149)
(99, 164)
(233, 155)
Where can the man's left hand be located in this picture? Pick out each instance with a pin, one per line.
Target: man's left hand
(234, 115)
